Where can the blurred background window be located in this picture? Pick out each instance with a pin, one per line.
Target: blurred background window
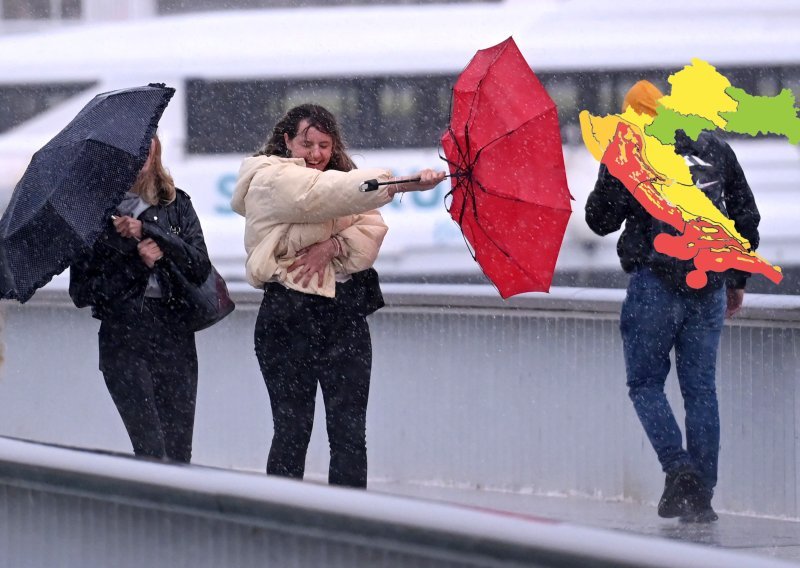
(183, 6)
(234, 117)
(19, 103)
(392, 112)
(40, 9)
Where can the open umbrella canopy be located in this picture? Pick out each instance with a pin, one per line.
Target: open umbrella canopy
(73, 184)
(509, 186)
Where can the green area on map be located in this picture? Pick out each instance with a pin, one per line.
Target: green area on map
(763, 115)
(667, 121)
(754, 115)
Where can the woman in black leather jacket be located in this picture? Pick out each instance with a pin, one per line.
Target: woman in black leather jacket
(147, 356)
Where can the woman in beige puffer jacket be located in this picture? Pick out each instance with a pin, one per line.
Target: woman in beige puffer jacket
(311, 238)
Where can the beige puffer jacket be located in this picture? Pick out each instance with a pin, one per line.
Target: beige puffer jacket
(288, 207)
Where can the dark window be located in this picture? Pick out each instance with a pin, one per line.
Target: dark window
(179, 6)
(27, 9)
(565, 90)
(71, 9)
(41, 9)
(790, 79)
(411, 111)
(382, 112)
(19, 103)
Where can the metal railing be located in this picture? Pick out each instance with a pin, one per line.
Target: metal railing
(467, 390)
(62, 507)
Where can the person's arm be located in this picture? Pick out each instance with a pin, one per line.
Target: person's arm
(742, 210)
(735, 299)
(608, 204)
(740, 202)
(361, 242)
(103, 273)
(81, 280)
(314, 261)
(289, 193)
(421, 181)
(186, 251)
(353, 249)
(91, 282)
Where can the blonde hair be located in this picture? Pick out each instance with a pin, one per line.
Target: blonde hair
(155, 184)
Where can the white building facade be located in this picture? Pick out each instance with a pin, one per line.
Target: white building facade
(18, 16)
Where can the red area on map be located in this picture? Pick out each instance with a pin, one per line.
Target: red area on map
(707, 244)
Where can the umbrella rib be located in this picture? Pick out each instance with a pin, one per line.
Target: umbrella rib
(461, 155)
(470, 193)
(465, 165)
(508, 256)
(478, 87)
(464, 172)
(509, 133)
(463, 183)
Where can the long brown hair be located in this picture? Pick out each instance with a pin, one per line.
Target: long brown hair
(155, 184)
(318, 117)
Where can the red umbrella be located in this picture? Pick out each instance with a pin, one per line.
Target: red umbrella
(509, 187)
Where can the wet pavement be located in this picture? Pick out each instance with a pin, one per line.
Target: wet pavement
(777, 538)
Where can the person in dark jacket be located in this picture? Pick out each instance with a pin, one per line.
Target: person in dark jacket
(662, 312)
(147, 356)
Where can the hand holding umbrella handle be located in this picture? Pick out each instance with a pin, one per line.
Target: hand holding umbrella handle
(114, 218)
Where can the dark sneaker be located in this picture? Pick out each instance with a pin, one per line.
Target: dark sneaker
(700, 510)
(704, 516)
(681, 489)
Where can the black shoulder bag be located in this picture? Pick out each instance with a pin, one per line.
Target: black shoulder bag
(199, 307)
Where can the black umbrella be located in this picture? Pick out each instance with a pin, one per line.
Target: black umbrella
(73, 184)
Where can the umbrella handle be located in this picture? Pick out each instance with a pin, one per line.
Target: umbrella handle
(373, 184)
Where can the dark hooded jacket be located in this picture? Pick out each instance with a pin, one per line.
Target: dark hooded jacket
(716, 172)
(111, 277)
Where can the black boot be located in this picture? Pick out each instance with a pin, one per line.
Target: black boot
(700, 510)
(680, 491)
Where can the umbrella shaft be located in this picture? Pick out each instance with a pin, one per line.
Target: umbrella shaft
(373, 184)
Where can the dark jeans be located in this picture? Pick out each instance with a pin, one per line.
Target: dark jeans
(301, 340)
(150, 369)
(655, 318)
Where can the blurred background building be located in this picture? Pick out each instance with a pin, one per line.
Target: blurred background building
(386, 70)
(26, 15)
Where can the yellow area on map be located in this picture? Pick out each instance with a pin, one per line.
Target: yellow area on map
(677, 186)
(699, 89)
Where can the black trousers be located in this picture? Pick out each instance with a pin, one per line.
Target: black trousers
(301, 340)
(150, 369)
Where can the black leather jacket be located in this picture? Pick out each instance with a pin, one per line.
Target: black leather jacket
(111, 277)
(717, 172)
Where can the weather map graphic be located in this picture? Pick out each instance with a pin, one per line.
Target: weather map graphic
(639, 150)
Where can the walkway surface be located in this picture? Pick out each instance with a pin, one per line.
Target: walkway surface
(777, 538)
(760, 536)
